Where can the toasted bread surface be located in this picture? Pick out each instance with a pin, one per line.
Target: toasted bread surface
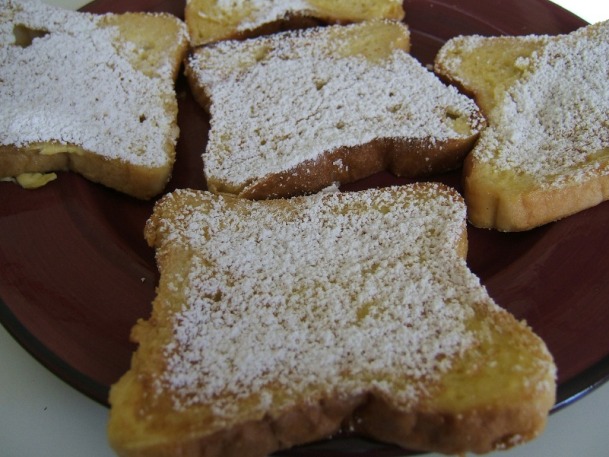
(545, 154)
(296, 112)
(281, 322)
(214, 20)
(89, 93)
(485, 67)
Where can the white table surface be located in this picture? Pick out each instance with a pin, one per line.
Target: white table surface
(40, 415)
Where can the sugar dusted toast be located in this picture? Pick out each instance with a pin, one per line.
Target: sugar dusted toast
(296, 112)
(281, 322)
(215, 20)
(89, 93)
(545, 154)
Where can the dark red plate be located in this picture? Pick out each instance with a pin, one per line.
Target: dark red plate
(76, 274)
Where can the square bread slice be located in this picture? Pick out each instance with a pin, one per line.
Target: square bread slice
(215, 20)
(295, 112)
(280, 322)
(545, 154)
(89, 93)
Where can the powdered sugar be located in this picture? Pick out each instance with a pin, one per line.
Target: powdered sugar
(368, 284)
(286, 100)
(75, 85)
(262, 11)
(552, 124)
(41, 16)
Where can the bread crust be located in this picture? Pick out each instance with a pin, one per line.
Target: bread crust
(141, 182)
(480, 430)
(519, 207)
(404, 158)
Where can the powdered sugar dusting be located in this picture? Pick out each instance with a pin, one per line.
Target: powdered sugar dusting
(263, 11)
(286, 100)
(297, 296)
(75, 85)
(40, 16)
(552, 124)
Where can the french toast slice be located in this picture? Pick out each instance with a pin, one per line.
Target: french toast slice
(89, 93)
(214, 20)
(280, 322)
(545, 154)
(295, 112)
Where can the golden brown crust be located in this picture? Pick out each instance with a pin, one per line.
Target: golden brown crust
(518, 207)
(480, 430)
(410, 159)
(306, 423)
(141, 182)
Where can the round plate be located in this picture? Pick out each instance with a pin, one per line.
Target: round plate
(76, 273)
